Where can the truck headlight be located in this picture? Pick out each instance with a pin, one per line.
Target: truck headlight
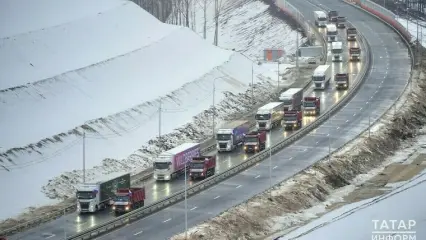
(245, 147)
(255, 147)
(127, 208)
(113, 207)
(155, 176)
(167, 177)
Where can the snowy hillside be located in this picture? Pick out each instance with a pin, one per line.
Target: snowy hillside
(103, 68)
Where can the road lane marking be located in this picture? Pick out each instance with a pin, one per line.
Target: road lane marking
(257, 176)
(328, 134)
(305, 149)
(290, 158)
(138, 233)
(354, 114)
(337, 127)
(360, 109)
(238, 186)
(51, 236)
(316, 142)
(192, 208)
(347, 120)
(216, 197)
(274, 167)
(167, 220)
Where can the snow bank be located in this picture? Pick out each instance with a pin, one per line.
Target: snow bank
(116, 101)
(281, 207)
(412, 28)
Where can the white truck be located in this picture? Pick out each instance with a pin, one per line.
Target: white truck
(320, 18)
(292, 99)
(321, 77)
(336, 51)
(355, 54)
(173, 162)
(230, 135)
(269, 115)
(331, 32)
(92, 197)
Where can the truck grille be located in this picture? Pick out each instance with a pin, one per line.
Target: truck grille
(262, 125)
(222, 145)
(160, 176)
(120, 207)
(84, 205)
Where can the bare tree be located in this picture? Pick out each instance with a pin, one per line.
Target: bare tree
(218, 7)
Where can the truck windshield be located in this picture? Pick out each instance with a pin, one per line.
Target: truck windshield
(121, 199)
(197, 165)
(250, 139)
(223, 137)
(263, 116)
(309, 104)
(354, 51)
(341, 79)
(161, 165)
(318, 79)
(351, 31)
(85, 195)
(338, 50)
(322, 19)
(287, 101)
(290, 118)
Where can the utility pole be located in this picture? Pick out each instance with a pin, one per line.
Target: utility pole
(252, 83)
(297, 52)
(159, 120)
(278, 74)
(329, 139)
(214, 107)
(270, 171)
(186, 208)
(84, 157)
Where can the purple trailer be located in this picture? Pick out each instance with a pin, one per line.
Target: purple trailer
(171, 163)
(229, 136)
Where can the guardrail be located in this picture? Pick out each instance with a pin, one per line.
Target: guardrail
(200, 186)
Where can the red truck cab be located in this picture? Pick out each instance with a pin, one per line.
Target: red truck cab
(311, 106)
(255, 142)
(292, 120)
(202, 167)
(341, 80)
(128, 199)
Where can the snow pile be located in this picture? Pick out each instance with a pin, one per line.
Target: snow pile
(263, 214)
(128, 66)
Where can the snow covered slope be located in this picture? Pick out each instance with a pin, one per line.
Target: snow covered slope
(101, 68)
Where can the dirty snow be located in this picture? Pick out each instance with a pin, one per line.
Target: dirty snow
(313, 192)
(49, 108)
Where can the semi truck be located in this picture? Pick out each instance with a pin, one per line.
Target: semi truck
(292, 120)
(92, 197)
(173, 162)
(311, 106)
(351, 33)
(341, 22)
(269, 116)
(202, 167)
(230, 135)
(320, 18)
(255, 142)
(292, 99)
(332, 16)
(355, 54)
(342, 81)
(128, 199)
(321, 77)
(336, 51)
(331, 32)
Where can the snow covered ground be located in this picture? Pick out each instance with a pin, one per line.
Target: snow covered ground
(103, 68)
(412, 28)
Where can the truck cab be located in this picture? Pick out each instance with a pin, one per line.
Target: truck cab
(341, 80)
(320, 18)
(351, 34)
(354, 54)
(336, 51)
(331, 32)
(202, 167)
(292, 120)
(269, 115)
(341, 22)
(255, 142)
(229, 136)
(312, 106)
(128, 199)
(332, 16)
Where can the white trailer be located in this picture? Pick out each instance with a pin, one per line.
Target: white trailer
(174, 161)
(336, 51)
(292, 99)
(320, 18)
(269, 115)
(331, 32)
(321, 77)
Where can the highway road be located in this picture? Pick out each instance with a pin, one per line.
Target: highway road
(72, 223)
(384, 83)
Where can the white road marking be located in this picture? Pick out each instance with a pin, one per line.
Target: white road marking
(328, 134)
(138, 233)
(290, 158)
(274, 167)
(238, 186)
(258, 176)
(347, 120)
(337, 127)
(167, 220)
(354, 114)
(51, 236)
(360, 109)
(216, 197)
(305, 149)
(316, 142)
(192, 208)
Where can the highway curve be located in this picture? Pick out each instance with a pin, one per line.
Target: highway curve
(72, 223)
(384, 84)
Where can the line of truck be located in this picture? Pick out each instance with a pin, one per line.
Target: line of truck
(287, 112)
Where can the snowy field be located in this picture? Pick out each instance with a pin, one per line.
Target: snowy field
(103, 68)
(412, 28)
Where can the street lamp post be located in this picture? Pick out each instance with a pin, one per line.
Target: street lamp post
(186, 207)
